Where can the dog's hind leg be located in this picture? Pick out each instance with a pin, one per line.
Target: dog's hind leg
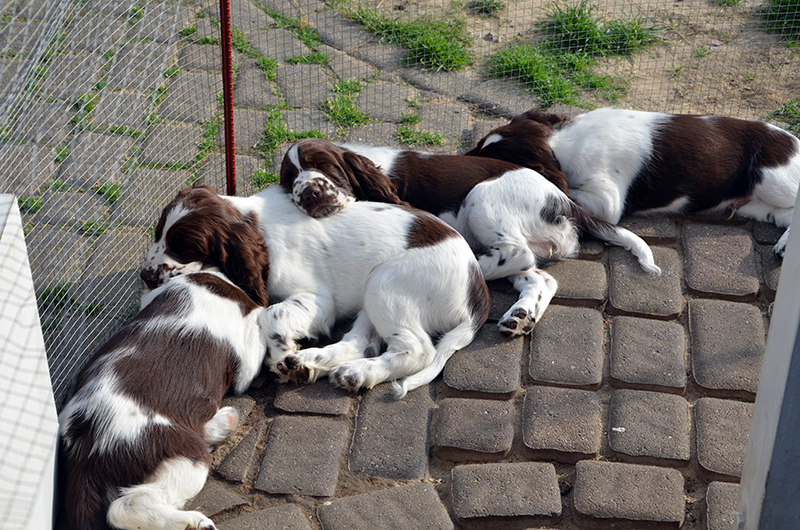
(224, 422)
(536, 290)
(156, 504)
(503, 259)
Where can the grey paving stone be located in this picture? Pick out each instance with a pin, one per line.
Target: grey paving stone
(411, 506)
(302, 456)
(727, 347)
(243, 404)
(648, 355)
(500, 97)
(561, 424)
(309, 120)
(201, 56)
(304, 85)
(592, 249)
(580, 282)
(720, 261)
(140, 66)
(212, 173)
(320, 398)
(345, 66)
(386, 101)
(451, 120)
(610, 495)
(766, 233)
(385, 57)
(71, 74)
(206, 29)
(283, 517)
(654, 230)
(514, 495)
(215, 498)
(339, 32)
(632, 291)
(192, 97)
(145, 193)
(64, 266)
(167, 144)
(160, 22)
(248, 130)
(44, 122)
(649, 427)
(771, 266)
(489, 367)
(96, 158)
(720, 506)
(453, 84)
(722, 427)
(69, 208)
(238, 461)
(483, 125)
(294, 8)
(18, 37)
(474, 429)
(567, 347)
(375, 134)
(391, 438)
(278, 43)
(248, 18)
(251, 89)
(126, 110)
(25, 167)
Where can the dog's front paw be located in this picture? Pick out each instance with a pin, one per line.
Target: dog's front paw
(350, 376)
(292, 369)
(517, 321)
(199, 521)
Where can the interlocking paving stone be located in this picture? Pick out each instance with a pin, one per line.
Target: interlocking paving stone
(610, 495)
(391, 438)
(385, 101)
(339, 32)
(309, 120)
(720, 261)
(654, 230)
(201, 56)
(278, 43)
(633, 291)
(345, 66)
(580, 281)
(411, 506)
(721, 499)
(474, 429)
(727, 347)
(722, 427)
(168, 143)
(320, 398)
(140, 66)
(302, 456)
(451, 120)
(376, 134)
(64, 266)
(248, 17)
(452, 84)
(243, 404)
(126, 110)
(649, 427)
(771, 266)
(386, 57)
(96, 158)
(506, 496)
(488, 367)
(237, 462)
(500, 97)
(73, 209)
(592, 249)
(567, 347)
(561, 424)
(284, 517)
(502, 296)
(248, 130)
(304, 85)
(648, 354)
(24, 167)
(192, 97)
(294, 8)
(145, 193)
(251, 89)
(212, 173)
(767, 233)
(71, 74)
(160, 23)
(215, 498)
(44, 122)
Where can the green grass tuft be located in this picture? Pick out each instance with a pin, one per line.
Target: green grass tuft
(341, 109)
(789, 114)
(108, 191)
(486, 8)
(311, 58)
(29, 205)
(57, 297)
(263, 178)
(781, 17)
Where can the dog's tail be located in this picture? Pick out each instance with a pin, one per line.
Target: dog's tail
(614, 235)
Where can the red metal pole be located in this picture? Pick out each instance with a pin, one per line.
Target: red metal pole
(227, 92)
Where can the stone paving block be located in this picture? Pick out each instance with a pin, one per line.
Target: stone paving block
(96, 158)
(278, 43)
(309, 120)
(767, 233)
(72, 209)
(283, 517)
(506, 496)
(320, 398)
(252, 90)
(484, 125)
(648, 355)
(126, 110)
(17, 36)
(561, 424)
(452, 120)
(238, 461)
(146, 192)
(411, 506)
(248, 18)
(771, 266)
(633, 291)
(71, 74)
(453, 84)
(243, 404)
(64, 266)
(248, 130)
(375, 134)
(580, 282)
(25, 167)
(502, 296)
(720, 506)
(302, 456)
(215, 498)
(474, 429)
(345, 66)
(386, 57)
(212, 173)
(44, 123)
(304, 85)
(337, 31)
(727, 347)
(500, 97)
(488, 368)
(722, 427)
(140, 66)
(567, 347)
(611, 495)
(167, 144)
(391, 438)
(649, 427)
(294, 8)
(654, 230)
(720, 261)
(592, 249)
(160, 22)
(192, 97)
(385, 101)
(201, 56)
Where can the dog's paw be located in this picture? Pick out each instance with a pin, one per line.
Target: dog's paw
(292, 369)
(518, 321)
(199, 521)
(349, 377)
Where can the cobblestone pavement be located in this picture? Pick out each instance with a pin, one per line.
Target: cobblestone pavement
(628, 406)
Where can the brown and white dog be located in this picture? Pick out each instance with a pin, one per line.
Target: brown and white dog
(616, 162)
(137, 430)
(405, 275)
(512, 217)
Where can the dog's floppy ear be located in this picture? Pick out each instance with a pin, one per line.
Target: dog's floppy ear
(367, 181)
(245, 260)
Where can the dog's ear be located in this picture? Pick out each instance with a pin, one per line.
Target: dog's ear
(246, 260)
(554, 175)
(367, 181)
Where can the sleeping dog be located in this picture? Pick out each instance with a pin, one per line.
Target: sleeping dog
(619, 162)
(512, 217)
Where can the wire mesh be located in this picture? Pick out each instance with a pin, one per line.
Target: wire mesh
(108, 108)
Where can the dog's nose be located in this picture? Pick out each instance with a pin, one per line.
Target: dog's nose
(150, 278)
(311, 191)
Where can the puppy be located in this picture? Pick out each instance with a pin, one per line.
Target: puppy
(617, 162)
(512, 217)
(136, 432)
(406, 277)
